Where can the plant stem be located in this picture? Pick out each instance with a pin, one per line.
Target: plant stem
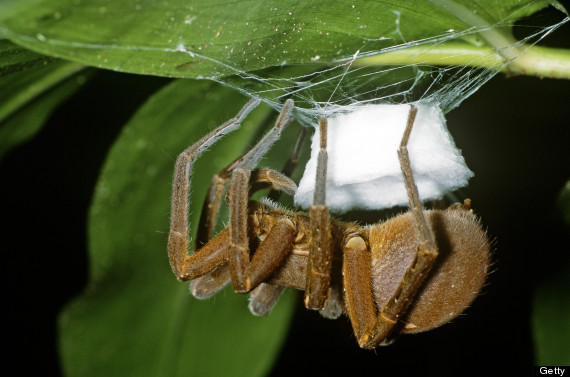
(544, 62)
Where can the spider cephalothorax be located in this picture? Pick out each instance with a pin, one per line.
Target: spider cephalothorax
(411, 273)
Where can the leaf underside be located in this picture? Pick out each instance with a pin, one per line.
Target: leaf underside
(194, 39)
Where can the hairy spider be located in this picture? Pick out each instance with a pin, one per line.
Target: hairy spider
(411, 273)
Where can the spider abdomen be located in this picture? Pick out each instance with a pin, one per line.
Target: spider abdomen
(456, 277)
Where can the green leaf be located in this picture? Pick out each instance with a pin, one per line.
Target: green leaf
(135, 318)
(564, 203)
(551, 305)
(182, 38)
(14, 58)
(32, 87)
(551, 319)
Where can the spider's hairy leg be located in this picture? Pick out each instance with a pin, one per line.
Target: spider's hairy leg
(425, 233)
(424, 258)
(245, 273)
(334, 307)
(371, 333)
(276, 244)
(268, 178)
(178, 238)
(218, 183)
(252, 157)
(321, 252)
(358, 286)
(211, 206)
(292, 162)
(426, 252)
(209, 284)
(239, 247)
(263, 298)
(212, 255)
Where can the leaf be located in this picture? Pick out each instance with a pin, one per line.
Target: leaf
(181, 38)
(135, 318)
(551, 319)
(32, 87)
(564, 203)
(13, 58)
(551, 304)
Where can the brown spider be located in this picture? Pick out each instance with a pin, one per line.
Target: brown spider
(408, 274)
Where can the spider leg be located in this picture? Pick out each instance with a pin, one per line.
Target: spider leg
(211, 206)
(245, 273)
(279, 183)
(263, 298)
(334, 307)
(206, 286)
(372, 329)
(209, 284)
(292, 162)
(426, 252)
(268, 178)
(212, 282)
(321, 251)
(425, 233)
(357, 279)
(178, 238)
(238, 197)
(213, 254)
(271, 252)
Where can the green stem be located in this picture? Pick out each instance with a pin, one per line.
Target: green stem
(544, 62)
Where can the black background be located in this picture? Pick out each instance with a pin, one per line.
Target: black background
(514, 132)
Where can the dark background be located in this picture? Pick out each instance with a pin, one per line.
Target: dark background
(514, 133)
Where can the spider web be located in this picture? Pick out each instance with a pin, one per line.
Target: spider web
(350, 81)
(346, 85)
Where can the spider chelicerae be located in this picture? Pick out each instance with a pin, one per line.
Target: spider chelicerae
(411, 273)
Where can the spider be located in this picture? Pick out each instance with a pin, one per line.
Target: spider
(411, 273)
